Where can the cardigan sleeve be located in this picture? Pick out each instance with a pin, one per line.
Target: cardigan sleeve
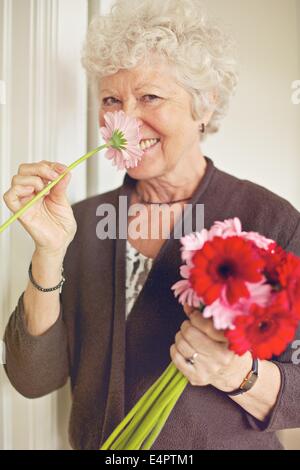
(286, 412)
(38, 365)
(35, 365)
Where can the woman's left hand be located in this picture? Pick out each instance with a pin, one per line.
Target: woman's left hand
(215, 364)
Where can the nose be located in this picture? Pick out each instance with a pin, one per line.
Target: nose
(132, 110)
(139, 122)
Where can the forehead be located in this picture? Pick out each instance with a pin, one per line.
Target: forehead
(157, 73)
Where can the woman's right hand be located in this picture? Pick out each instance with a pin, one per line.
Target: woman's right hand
(50, 221)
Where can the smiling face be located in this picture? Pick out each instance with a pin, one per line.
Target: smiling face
(163, 111)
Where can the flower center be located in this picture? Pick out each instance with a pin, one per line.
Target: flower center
(264, 326)
(118, 140)
(226, 269)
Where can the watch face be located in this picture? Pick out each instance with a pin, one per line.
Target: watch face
(250, 382)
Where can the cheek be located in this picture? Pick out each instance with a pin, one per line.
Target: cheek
(101, 119)
(162, 119)
(164, 123)
(173, 128)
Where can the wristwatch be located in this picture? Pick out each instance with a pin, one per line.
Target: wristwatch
(248, 381)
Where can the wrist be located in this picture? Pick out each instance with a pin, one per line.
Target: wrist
(248, 382)
(46, 268)
(236, 373)
(52, 257)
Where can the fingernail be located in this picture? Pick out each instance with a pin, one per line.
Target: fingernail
(60, 168)
(54, 174)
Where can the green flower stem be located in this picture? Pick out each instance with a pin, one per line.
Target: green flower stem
(152, 417)
(155, 409)
(49, 186)
(158, 390)
(144, 403)
(159, 425)
(166, 375)
(138, 422)
(161, 422)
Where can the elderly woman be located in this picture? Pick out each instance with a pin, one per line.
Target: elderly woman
(115, 325)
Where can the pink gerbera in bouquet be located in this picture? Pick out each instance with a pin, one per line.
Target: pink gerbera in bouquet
(250, 288)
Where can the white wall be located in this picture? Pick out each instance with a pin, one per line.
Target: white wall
(46, 116)
(260, 138)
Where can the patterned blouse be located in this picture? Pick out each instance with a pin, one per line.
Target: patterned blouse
(138, 267)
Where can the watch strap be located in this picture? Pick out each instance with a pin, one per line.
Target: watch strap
(248, 381)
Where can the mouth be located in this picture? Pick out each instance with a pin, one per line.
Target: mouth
(148, 144)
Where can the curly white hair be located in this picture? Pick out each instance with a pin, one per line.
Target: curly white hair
(203, 56)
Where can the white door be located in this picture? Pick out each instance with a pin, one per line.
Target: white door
(48, 114)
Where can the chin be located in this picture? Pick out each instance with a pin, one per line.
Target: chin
(144, 172)
(139, 174)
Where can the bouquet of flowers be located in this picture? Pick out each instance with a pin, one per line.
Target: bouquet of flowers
(249, 286)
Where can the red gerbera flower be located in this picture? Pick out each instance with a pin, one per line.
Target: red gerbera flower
(225, 264)
(289, 278)
(274, 256)
(265, 331)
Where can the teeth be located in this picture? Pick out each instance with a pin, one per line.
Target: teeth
(145, 144)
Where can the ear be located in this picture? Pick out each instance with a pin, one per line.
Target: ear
(212, 101)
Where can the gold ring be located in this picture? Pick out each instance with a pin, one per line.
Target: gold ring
(192, 359)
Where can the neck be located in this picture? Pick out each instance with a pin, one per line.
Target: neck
(176, 187)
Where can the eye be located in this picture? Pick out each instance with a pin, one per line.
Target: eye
(109, 101)
(151, 98)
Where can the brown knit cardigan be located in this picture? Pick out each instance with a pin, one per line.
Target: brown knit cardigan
(111, 362)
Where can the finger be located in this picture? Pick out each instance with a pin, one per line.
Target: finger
(58, 192)
(206, 325)
(195, 377)
(64, 181)
(14, 197)
(183, 346)
(199, 341)
(35, 181)
(179, 360)
(187, 309)
(43, 169)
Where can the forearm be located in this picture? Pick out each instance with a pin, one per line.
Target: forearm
(261, 398)
(41, 309)
(35, 364)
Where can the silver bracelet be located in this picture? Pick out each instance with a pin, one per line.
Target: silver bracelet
(49, 289)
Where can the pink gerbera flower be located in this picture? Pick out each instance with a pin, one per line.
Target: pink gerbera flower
(183, 289)
(122, 133)
(225, 229)
(192, 243)
(224, 314)
(122, 138)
